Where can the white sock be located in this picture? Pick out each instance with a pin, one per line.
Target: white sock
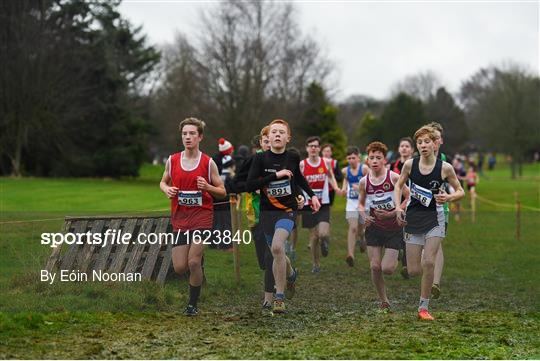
(424, 303)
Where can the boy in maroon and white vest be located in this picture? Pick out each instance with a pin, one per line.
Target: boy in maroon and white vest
(377, 206)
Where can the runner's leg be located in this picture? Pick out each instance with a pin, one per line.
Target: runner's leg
(280, 260)
(389, 261)
(428, 265)
(180, 259)
(414, 258)
(375, 256)
(352, 236)
(315, 248)
(439, 264)
(195, 272)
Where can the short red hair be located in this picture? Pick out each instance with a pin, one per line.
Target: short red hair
(280, 121)
(265, 131)
(377, 147)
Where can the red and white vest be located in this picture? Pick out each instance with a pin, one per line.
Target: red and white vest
(317, 178)
(192, 208)
(381, 196)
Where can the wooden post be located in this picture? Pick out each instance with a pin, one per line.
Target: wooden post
(235, 225)
(518, 216)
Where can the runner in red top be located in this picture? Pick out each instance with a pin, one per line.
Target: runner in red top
(190, 180)
(377, 205)
(320, 177)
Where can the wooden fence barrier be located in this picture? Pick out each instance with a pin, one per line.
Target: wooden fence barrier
(153, 261)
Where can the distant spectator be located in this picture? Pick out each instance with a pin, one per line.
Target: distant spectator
(492, 160)
(481, 159)
(225, 148)
(241, 154)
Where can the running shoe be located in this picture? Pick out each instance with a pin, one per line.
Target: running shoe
(350, 261)
(278, 307)
(384, 307)
(290, 290)
(404, 272)
(191, 311)
(266, 308)
(324, 247)
(423, 314)
(435, 291)
(316, 269)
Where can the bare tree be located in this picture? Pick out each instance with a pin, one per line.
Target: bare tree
(503, 109)
(422, 85)
(251, 63)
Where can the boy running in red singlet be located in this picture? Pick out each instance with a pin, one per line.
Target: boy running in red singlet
(190, 180)
(320, 177)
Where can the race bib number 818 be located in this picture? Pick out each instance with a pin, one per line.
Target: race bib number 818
(423, 195)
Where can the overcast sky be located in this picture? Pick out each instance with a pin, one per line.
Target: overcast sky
(374, 44)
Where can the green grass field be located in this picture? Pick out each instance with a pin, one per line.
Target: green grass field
(489, 308)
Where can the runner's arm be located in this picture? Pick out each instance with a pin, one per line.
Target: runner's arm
(368, 219)
(255, 179)
(406, 193)
(166, 180)
(362, 197)
(345, 182)
(332, 179)
(449, 174)
(339, 175)
(402, 180)
(216, 188)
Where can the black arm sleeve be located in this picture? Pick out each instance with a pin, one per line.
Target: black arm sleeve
(299, 178)
(240, 179)
(256, 171)
(337, 173)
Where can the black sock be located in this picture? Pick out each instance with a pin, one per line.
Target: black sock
(194, 292)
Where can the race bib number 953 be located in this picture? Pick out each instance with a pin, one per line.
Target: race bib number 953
(190, 198)
(423, 195)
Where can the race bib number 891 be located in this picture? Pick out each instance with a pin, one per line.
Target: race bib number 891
(279, 188)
